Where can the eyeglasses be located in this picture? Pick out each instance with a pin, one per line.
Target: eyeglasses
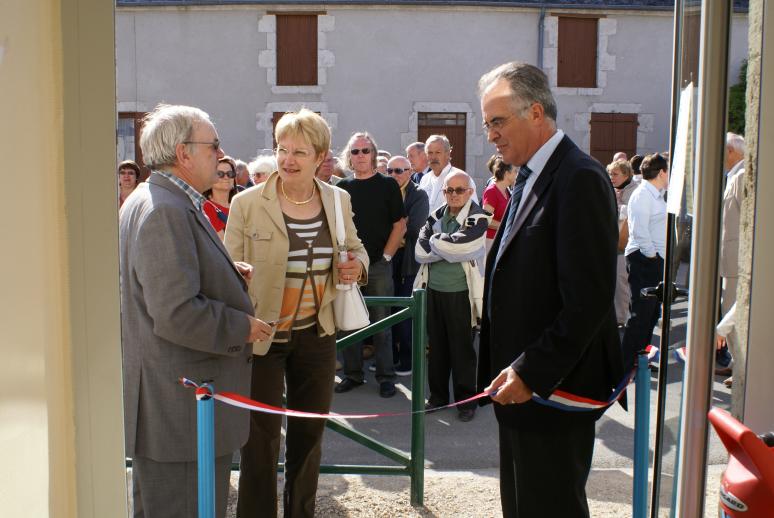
(397, 170)
(299, 154)
(496, 123)
(458, 191)
(221, 174)
(215, 144)
(126, 172)
(356, 151)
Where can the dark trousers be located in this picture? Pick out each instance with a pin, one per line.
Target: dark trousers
(401, 332)
(451, 347)
(170, 489)
(543, 473)
(643, 273)
(379, 284)
(306, 367)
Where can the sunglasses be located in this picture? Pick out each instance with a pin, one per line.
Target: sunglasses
(215, 144)
(397, 170)
(230, 174)
(458, 191)
(365, 151)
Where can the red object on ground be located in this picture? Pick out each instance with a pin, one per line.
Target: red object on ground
(747, 486)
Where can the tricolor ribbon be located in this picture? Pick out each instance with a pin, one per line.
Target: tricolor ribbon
(559, 399)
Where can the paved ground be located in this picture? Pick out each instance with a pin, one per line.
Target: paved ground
(461, 458)
(472, 447)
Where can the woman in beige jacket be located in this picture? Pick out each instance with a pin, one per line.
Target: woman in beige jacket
(286, 229)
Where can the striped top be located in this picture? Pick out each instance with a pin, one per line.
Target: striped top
(310, 257)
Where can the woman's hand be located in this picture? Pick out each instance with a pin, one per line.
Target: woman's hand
(350, 270)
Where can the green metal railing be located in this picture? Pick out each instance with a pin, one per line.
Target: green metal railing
(413, 463)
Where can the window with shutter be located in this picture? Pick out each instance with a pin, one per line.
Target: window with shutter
(611, 133)
(128, 139)
(296, 49)
(577, 52)
(450, 124)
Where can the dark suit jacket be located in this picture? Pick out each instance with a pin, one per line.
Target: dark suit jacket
(548, 301)
(417, 209)
(184, 312)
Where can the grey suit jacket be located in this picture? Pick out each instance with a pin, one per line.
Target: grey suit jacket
(729, 233)
(183, 313)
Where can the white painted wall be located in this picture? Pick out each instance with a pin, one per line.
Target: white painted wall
(382, 64)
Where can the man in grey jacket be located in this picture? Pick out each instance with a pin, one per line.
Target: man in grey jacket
(185, 312)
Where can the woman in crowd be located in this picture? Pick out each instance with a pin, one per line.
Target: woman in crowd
(497, 194)
(622, 177)
(219, 197)
(128, 179)
(286, 229)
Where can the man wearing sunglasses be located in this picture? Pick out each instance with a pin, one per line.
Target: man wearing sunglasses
(405, 266)
(380, 221)
(449, 246)
(438, 150)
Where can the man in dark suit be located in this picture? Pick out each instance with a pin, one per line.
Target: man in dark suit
(185, 311)
(549, 321)
(405, 266)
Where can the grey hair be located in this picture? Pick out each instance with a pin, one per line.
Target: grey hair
(346, 156)
(166, 127)
(528, 85)
(735, 142)
(240, 165)
(439, 138)
(419, 146)
(263, 164)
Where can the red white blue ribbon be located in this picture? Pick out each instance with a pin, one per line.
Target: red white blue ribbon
(559, 399)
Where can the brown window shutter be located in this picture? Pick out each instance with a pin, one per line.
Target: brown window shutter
(611, 133)
(577, 53)
(450, 124)
(296, 50)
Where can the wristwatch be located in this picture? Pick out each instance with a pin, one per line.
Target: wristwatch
(387, 257)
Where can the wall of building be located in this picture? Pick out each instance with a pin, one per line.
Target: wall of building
(61, 433)
(380, 65)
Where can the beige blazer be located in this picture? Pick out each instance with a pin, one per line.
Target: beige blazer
(256, 233)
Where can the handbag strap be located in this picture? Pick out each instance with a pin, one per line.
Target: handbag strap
(341, 233)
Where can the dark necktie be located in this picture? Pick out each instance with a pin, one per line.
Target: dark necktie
(518, 190)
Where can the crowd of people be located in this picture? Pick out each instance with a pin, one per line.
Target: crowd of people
(229, 271)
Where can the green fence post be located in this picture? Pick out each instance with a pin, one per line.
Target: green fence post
(419, 344)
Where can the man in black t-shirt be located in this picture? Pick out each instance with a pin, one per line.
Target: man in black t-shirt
(380, 220)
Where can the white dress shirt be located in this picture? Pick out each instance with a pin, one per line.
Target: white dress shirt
(647, 221)
(537, 163)
(433, 186)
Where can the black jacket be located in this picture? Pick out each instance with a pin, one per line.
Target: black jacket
(417, 208)
(548, 301)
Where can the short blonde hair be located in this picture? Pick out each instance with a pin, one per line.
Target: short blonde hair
(308, 125)
(622, 165)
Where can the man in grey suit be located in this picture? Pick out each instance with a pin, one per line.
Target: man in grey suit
(185, 311)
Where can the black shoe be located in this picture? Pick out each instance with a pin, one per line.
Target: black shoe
(386, 389)
(346, 385)
(466, 414)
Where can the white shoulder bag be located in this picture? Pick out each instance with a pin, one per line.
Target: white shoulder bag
(349, 307)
